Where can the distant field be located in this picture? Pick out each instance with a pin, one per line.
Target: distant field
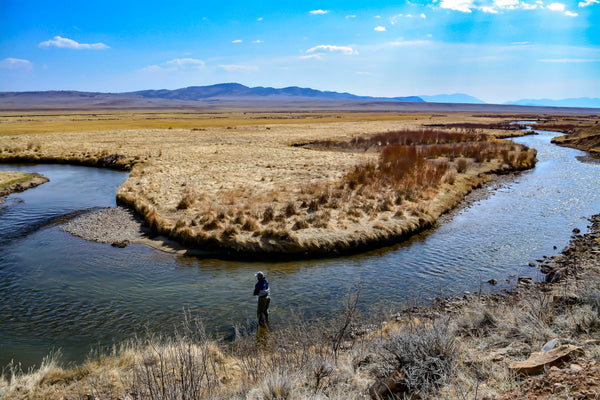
(55, 122)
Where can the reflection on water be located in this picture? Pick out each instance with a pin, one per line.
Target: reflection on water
(59, 291)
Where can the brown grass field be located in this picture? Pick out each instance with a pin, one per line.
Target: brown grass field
(259, 184)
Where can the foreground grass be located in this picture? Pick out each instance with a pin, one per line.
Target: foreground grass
(457, 348)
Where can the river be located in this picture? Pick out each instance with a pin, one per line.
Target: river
(58, 291)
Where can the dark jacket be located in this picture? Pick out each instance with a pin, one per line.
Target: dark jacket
(262, 287)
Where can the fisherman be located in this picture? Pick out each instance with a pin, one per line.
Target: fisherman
(261, 289)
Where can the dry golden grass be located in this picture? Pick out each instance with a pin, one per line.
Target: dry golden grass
(234, 183)
(8, 178)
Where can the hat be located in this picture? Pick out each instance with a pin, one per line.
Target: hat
(259, 273)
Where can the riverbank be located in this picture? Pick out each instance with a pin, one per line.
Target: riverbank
(254, 191)
(586, 139)
(467, 347)
(249, 185)
(13, 182)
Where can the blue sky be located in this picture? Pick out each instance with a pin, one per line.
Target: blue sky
(497, 50)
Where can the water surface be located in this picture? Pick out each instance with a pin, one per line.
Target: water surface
(59, 291)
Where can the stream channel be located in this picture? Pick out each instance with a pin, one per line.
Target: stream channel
(58, 291)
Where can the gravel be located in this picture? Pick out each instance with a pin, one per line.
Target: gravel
(118, 225)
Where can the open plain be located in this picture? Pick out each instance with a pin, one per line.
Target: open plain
(258, 184)
(274, 183)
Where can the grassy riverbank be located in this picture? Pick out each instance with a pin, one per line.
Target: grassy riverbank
(585, 138)
(458, 348)
(11, 182)
(252, 185)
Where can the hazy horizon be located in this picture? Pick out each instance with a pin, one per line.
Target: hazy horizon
(494, 50)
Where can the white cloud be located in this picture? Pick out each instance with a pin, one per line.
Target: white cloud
(587, 3)
(152, 68)
(458, 5)
(312, 57)
(65, 43)
(569, 60)
(510, 4)
(363, 73)
(526, 6)
(380, 28)
(490, 10)
(318, 12)
(571, 14)
(237, 41)
(186, 62)
(237, 67)
(351, 16)
(327, 47)
(259, 19)
(423, 16)
(16, 63)
(257, 41)
(556, 7)
(178, 64)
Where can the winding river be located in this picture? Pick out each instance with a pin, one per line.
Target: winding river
(61, 292)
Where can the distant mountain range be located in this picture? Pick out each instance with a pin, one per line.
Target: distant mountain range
(237, 95)
(574, 102)
(452, 98)
(236, 90)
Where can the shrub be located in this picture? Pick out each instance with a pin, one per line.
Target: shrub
(424, 355)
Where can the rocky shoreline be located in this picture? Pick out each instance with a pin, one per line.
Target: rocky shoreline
(118, 226)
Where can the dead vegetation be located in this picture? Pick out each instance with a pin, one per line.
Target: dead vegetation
(583, 138)
(306, 183)
(458, 348)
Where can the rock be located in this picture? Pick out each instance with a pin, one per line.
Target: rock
(576, 230)
(550, 345)
(524, 281)
(532, 264)
(555, 275)
(119, 244)
(565, 300)
(575, 368)
(538, 361)
(512, 350)
(492, 281)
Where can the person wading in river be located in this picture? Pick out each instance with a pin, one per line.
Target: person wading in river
(261, 289)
